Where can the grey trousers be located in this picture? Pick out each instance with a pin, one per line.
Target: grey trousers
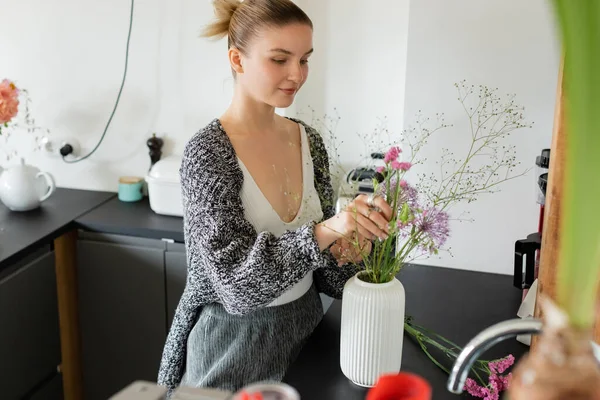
(228, 352)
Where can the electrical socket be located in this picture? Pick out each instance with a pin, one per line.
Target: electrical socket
(52, 145)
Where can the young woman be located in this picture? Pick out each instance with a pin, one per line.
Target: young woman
(261, 237)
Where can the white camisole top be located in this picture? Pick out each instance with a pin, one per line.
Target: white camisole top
(259, 212)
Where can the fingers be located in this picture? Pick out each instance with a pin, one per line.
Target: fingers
(384, 207)
(366, 247)
(374, 215)
(378, 202)
(352, 250)
(350, 253)
(340, 250)
(352, 226)
(366, 227)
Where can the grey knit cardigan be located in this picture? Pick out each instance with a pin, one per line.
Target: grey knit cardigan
(229, 262)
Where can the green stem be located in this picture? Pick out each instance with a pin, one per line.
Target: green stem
(579, 252)
(420, 334)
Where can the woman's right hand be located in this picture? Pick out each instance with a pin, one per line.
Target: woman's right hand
(360, 218)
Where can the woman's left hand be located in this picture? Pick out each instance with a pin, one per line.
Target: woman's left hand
(347, 252)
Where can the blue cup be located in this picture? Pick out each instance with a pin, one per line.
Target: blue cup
(131, 188)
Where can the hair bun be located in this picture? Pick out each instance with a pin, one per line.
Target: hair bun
(224, 10)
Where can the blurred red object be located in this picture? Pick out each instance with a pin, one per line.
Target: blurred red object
(402, 386)
(252, 396)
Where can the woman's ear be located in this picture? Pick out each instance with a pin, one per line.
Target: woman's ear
(235, 59)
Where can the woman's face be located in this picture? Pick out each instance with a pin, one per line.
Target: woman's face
(275, 65)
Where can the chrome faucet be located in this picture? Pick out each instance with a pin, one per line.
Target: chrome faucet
(482, 342)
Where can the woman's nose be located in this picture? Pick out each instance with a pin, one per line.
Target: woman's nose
(296, 73)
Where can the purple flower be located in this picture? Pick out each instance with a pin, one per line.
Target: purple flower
(392, 154)
(436, 227)
(407, 194)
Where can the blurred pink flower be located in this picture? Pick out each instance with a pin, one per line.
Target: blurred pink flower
(9, 101)
(475, 390)
(392, 154)
(496, 383)
(404, 166)
(501, 365)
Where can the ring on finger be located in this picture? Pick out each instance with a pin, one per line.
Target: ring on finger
(369, 211)
(371, 200)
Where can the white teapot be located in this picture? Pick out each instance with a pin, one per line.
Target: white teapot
(22, 190)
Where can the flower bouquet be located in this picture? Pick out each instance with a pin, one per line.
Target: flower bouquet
(373, 301)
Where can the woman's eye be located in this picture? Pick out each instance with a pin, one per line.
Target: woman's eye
(303, 61)
(279, 61)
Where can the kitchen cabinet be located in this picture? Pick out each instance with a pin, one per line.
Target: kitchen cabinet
(121, 310)
(29, 333)
(51, 390)
(129, 288)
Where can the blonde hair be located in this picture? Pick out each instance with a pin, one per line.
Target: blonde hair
(240, 21)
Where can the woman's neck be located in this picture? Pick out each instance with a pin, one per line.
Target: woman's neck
(250, 115)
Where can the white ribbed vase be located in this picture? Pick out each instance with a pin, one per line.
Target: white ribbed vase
(372, 330)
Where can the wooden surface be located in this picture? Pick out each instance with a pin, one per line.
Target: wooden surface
(65, 250)
(551, 234)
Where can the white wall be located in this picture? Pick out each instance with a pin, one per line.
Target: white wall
(357, 73)
(371, 61)
(508, 44)
(70, 55)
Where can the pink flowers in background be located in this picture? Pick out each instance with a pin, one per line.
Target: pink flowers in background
(496, 383)
(392, 154)
(16, 118)
(9, 102)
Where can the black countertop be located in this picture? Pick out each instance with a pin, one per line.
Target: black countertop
(132, 219)
(22, 231)
(456, 304)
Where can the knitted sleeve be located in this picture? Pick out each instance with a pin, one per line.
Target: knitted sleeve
(330, 278)
(246, 269)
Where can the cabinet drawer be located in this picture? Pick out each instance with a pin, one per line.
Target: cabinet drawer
(29, 333)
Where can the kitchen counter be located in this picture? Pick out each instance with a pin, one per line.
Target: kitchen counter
(456, 304)
(132, 219)
(20, 232)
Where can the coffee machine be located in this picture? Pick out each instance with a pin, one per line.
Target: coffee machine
(528, 250)
(358, 181)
